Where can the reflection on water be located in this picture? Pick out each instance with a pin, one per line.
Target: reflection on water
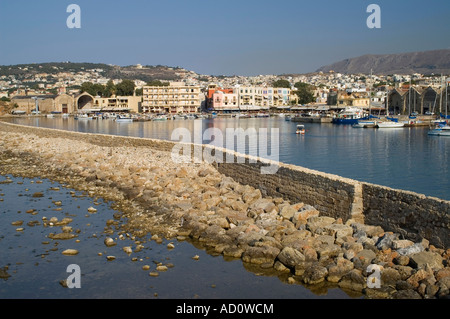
(405, 158)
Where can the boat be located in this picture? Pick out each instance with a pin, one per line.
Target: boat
(348, 116)
(287, 118)
(364, 124)
(440, 130)
(300, 129)
(389, 124)
(123, 119)
(83, 117)
(160, 117)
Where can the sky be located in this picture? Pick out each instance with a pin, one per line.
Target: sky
(214, 37)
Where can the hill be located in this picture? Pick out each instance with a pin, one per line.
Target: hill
(426, 62)
(145, 73)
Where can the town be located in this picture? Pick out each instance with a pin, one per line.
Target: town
(52, 89)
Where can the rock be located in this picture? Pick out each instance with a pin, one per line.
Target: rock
(339, 230)
(251, 195)
(278, 266)
(61, 236)
(110, 258)
(401, 260)
(70, 252)
(413, 249)
(127, 249)
(153, 274)
(287, 212)
(290, 257)
(404, 271)
(315, 223)
(389, 276)
(314, 274)
(339, 269)
(295, 237)
(92, 210)
(38, 194)
(326, 251)
(399, 244)
(366, 256)
(442, 273)
(419, 260)
(353, 280)
(386, 241)
(233, 251)
(109, 242)
(260, 255)
(170, 246)
(161, 268)
(420, 275)
(403, 285)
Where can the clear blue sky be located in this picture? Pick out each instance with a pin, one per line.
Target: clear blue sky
(243, 37)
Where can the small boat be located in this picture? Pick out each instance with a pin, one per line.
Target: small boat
(440, 130)
(83, 117)
(300, 129)
(160, 118)
(123, 119)
(287, 118)
(364, 124)
(389, 124)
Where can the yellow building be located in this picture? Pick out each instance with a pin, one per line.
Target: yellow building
(175, 98)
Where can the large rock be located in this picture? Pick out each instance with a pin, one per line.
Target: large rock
(339, 269)
(413, 249)
(339, 230)
(419, 260)
(290, 257)
(353, 280)
(314, 274)
(316, 223)
(260, 255)
(366, 256)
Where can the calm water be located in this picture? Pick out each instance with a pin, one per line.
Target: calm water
(405, 158)
(35, 264)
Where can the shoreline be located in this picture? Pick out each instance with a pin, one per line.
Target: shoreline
(234, 220)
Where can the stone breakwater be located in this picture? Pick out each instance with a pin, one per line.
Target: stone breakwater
(236, 220)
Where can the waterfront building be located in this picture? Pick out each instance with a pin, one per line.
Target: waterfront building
(175, 98)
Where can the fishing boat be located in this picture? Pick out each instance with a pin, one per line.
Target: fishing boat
(348, 116)
(300, 129)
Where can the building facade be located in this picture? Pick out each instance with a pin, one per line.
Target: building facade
(173, 99)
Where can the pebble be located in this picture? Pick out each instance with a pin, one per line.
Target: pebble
(70, 252)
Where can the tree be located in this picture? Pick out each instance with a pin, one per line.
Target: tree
(305, 92)
(92, 89)
(157, 83)
(110, 89)
(125, 88)
(281, 84)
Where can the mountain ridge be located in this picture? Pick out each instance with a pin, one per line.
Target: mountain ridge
(424, 62)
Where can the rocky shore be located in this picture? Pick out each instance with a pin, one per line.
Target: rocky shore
(195, 201)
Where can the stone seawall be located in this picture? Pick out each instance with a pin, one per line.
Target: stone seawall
(413, 215)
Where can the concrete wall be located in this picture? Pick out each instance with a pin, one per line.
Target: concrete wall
(411, 214)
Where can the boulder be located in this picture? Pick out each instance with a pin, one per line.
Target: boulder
(339, 269)
(315, 223)
(339, 230)
(353, 280)
(314, 274)
(419, 260)
(290, 257)
(260, 255)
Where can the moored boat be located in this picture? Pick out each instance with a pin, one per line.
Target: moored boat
(440, 130)
(389, 124)
(300, 129)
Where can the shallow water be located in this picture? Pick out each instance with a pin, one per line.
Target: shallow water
(36, 264)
